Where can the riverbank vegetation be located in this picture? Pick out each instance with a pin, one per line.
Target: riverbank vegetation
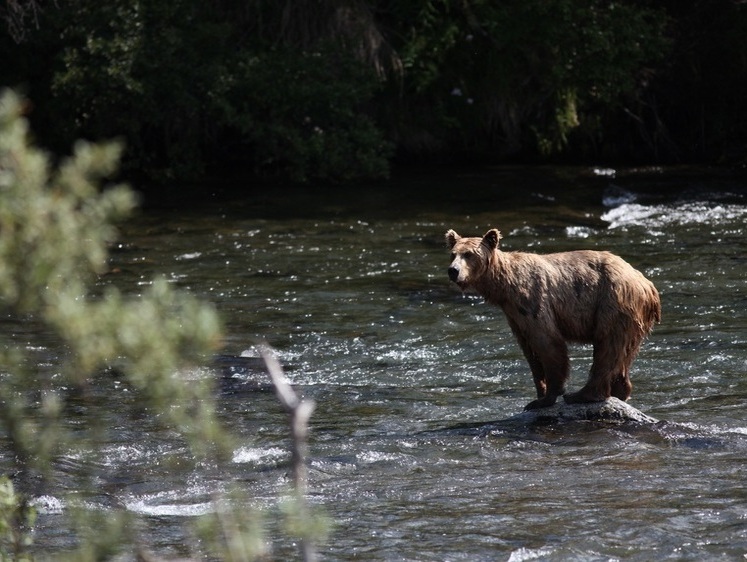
(339, 90)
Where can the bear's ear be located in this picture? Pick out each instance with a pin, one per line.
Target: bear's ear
(491, 239)
(451, 238)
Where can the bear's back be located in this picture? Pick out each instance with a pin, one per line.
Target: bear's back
(576, 291)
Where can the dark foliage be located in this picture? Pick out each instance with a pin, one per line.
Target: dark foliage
(307, 90)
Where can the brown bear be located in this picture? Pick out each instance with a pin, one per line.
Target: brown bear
(582, 296)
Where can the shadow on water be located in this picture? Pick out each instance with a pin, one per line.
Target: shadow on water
(559, 432)
(242, 374)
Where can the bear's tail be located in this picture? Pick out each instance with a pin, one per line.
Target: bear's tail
(641, 304)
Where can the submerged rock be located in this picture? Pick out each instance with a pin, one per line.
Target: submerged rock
(612, 409)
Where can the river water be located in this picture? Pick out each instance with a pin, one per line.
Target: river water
(413, 455)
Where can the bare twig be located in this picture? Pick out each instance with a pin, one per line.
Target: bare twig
(299, 411)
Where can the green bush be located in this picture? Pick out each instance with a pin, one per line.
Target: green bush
(520, 77)
(55, 227)
(310, 90)
(300, 115)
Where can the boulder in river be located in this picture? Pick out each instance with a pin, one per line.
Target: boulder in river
(612, 410)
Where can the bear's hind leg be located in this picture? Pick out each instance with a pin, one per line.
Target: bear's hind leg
(592, 391)
(609, 371)
(606, 367)
(614, 351)
(622, 387)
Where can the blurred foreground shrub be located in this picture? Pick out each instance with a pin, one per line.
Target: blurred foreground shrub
(55, 225)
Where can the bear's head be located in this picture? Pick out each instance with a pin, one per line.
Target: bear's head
(470, 257)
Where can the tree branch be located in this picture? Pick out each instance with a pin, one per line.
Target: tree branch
(300, 412)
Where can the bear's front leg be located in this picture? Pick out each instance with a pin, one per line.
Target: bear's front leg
(550, 370)
(548, 388)
(544, 399)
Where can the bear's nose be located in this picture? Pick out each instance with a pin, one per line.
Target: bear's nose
(453, 273)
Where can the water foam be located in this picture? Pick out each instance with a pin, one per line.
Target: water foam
(50, 505)
(256, 455)
(678, 214)
(168, 504)
(141, 506)
(578, 231)
(523, 554)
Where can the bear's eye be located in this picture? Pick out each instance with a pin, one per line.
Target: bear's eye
(468, 255)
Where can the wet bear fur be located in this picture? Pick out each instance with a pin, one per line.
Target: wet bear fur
(549, 300)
